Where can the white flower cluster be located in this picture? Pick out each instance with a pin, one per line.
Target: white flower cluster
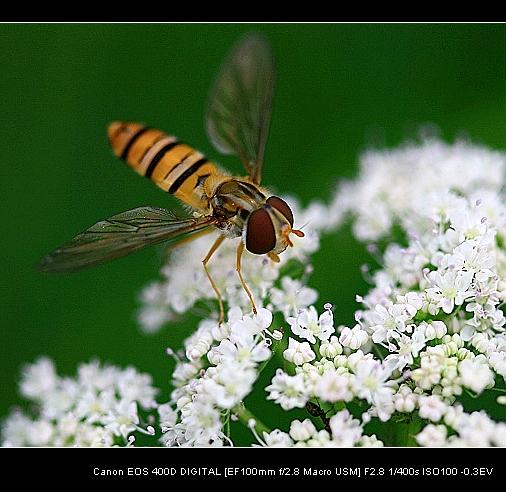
(433, 314)
(98, 408)
(435, 305)
(428, 337)
(219, 370)
(438, 296)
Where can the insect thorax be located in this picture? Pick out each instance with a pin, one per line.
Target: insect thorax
(233, 201)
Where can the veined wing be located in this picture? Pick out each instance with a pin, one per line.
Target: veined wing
(120, 235)
(240, 101)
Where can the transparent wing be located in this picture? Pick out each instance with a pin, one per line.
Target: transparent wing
(240, 101)
(120, 235)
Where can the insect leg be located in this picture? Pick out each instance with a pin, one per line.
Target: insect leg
(214, 247)
(240, 249)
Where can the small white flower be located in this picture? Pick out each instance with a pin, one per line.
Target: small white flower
(168, 416)
(293, 296)
(242, 346)
(450, 289)
(405, 350)
(277, 438)
(431, 407)
(346, 430)
(198, 345)
(388, 321)
(298, 352)
(16, 429)
(287, 391)
(307, 324)
(231, 382)
(91, 406)
(475, 429)
(405, 400)
(122, 419)
(134, 386)
(497, 360)
(434, 329)
(412, 302)
(201, 424)
(331, 348)
(333, 386)
(41, 433)
(476, 374)
(370, 442)
(38, 379)
(371, 383)
(302, 431)
(154, 312)
(353, 338)
(429, 372)
(432, 435)
(472, 258)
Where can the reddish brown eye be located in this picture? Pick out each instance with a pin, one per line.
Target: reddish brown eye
(281, 206)
(260, 234)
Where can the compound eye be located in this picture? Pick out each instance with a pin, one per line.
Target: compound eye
(281, 206)
(260, 233)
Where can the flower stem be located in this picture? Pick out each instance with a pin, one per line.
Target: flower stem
(247, 417)
(402, 432)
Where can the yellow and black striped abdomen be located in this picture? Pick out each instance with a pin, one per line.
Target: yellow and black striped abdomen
(174, 166)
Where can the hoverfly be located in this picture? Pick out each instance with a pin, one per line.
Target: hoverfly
(237, 120)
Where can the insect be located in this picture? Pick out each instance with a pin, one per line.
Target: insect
(237, 120)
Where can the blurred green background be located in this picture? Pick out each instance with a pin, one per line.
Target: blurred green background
(340, 87)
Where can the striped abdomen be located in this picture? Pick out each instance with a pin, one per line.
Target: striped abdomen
(174, 166)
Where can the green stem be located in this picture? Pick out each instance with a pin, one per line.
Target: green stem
(245, 416)
(402, 432)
